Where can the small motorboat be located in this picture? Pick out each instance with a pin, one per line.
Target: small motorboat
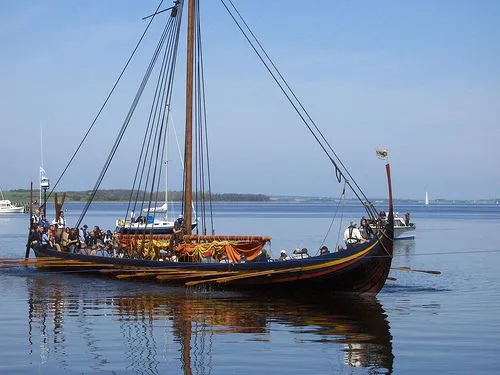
(6, 207)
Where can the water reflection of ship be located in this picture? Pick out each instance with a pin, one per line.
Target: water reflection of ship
(357, 325)
(405, 249)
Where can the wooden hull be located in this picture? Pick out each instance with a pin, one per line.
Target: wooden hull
(361, 269)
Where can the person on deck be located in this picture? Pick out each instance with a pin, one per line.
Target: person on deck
(407, 219)
(65, 238)
(44, 241)
(352, 236)
(73, 241)
(36, 237)
(365, 229)
(53, 238)
(83, 234)
(60, 221)
(283, 255)
(263, 256)
(108, 237)
(382, 215)
(35, 220)
(324, 250)
(95, 237)
(44, 223)
(177, 234)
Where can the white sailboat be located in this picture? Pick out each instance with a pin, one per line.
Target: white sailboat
(149, 222)
(164, 207)
(426, 202)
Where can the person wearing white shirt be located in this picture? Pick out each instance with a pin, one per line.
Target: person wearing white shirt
(352, 235)
(61, 221)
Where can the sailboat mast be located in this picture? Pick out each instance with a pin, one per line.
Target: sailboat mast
(188, 147)
(166, 174)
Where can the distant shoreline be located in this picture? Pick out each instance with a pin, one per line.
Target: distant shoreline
(122, 195)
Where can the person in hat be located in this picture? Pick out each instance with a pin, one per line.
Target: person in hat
(352, 235)
(324, 250)
(283, 255)
(83, 234)
(108, 236)
(177, 233)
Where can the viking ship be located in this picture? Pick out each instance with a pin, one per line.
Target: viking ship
(196, 256)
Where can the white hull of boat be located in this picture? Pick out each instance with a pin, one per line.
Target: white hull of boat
(6, 207)
(160, 209)
(156, 227)
(404, 232)
(401, 230)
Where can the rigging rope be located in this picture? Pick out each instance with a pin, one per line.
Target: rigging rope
(202, 160)
(161, 109)
(157, 120)
(341, 198)
(106, 100)
(302, 112)
(124, 125)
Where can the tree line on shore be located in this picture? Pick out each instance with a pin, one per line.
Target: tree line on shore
(117, 195)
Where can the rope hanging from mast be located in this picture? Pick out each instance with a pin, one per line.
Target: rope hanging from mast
(169, 33)
(341, 171)
(147, 176)
(106, 100)
(148, 172)
(203, 186)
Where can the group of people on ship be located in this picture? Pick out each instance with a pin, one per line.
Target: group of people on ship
(353, 235)
(58, 236)
(96, 242)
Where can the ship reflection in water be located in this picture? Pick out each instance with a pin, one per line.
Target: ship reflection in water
(134, 328)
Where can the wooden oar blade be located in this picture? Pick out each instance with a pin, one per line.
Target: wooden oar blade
(432, 272)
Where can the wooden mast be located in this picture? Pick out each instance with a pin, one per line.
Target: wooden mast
(188, 145)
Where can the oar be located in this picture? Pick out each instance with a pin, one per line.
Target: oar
(244, 276)
(9, 263)
(170, 274)
(147, 273)
(66, 264)
(225, 279)
(121, 270)
(413, 270)
(22, 260)
(139, 274)
(195, 276)
(155, 271)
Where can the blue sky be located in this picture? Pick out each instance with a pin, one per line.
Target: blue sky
(421, 78)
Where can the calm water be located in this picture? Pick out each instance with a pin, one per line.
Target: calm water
(420, 323)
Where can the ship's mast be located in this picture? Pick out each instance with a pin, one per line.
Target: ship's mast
(188, 147)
